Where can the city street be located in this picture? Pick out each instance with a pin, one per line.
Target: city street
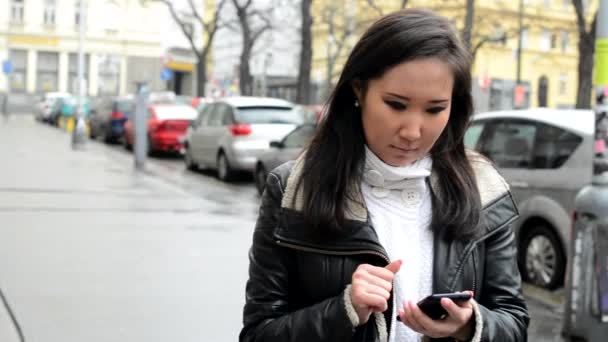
(91, 250)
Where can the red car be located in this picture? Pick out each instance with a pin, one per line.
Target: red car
(167, 124)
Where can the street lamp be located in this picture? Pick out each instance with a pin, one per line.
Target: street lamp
(79, 131)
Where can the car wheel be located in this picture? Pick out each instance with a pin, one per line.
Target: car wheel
(190, 164)
(224, 172)
(542, 259)
(260, 178)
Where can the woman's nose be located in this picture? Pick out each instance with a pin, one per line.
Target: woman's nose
(411, 128)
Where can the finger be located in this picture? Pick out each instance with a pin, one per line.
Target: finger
(410, 321)
(381, 273)
(431, 327)
(374, 301)
(394, 266)
(456, 312)
(377, 290)
(369, 279)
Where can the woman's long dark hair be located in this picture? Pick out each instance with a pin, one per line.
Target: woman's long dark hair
(334, 161)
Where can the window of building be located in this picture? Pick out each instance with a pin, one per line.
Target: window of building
(545, 40)
(77, 14)
(17, 11)
(49, 12)
(524, 38)
(553, 40)
(565, 41)
(109, 75)
(18, 76)
(47, 71)
(73, 72)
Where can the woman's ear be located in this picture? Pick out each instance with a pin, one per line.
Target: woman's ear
(356, 84)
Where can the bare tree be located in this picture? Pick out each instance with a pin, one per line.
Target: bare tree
(250, 34)
(303, 94)
(340, 27)
(586, 50)
(379, 10)
(210, 27)
(468, 24)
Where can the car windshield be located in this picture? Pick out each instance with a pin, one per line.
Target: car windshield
(269, 115)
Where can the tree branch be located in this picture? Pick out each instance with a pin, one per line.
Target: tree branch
(373, 5)
(182, 26)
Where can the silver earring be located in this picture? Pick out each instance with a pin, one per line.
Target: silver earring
(356, 103)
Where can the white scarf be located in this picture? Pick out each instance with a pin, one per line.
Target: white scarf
(399, 203)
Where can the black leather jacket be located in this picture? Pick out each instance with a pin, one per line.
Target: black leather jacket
(296, 282)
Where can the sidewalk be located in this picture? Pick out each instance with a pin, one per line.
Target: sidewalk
(91, 250)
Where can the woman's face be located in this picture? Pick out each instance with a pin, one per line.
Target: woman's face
(405, 111)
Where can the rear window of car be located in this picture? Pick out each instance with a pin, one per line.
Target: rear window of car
(269, 115)
(175, 112)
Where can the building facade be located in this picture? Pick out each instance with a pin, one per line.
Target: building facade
(548, 60)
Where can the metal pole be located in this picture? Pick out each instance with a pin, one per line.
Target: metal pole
(79, 132)
(601, 84)
(141, 126)
(519, 40)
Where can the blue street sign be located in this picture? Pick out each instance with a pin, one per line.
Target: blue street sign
(7, 66)
(166, 74)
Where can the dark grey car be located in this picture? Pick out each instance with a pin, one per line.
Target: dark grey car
(289, 148)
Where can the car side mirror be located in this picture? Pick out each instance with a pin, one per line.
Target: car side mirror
(276, 144)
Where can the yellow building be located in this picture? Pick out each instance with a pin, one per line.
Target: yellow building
(549, 56)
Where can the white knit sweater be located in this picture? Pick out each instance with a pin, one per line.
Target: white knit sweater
(399, 203)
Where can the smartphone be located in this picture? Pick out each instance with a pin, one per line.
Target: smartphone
(431, 305)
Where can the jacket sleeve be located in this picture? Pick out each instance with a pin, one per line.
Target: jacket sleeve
(267, 314)
(502, 307)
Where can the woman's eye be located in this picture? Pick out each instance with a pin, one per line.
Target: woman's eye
(396, 105)
(436, 110)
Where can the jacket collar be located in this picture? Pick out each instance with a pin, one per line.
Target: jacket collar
(490, 183)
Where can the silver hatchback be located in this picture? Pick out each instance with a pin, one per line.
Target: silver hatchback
(231, 133)
(546, 155)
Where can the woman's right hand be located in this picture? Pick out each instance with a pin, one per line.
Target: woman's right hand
(371, 288)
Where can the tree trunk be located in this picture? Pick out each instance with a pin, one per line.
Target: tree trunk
(586, 49)
(468, 24)
(201, 76)
(303, 94)
(245, 79)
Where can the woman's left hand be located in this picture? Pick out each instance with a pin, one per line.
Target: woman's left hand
(458, 324)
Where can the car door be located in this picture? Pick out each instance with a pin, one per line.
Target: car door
(196, 131)
(209, 133)
(509, 143)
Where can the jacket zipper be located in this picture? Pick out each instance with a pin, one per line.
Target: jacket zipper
(330, 252)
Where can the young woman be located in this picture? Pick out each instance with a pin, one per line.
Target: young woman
(385, 207)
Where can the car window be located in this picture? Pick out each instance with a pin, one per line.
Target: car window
(510, 143)
(471, 137)
(269, 115)
(227, 115)
(300, 137)
(215, 116)
(553, 147)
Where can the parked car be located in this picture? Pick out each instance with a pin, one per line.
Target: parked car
(167, 124)
(200, 102)
(162, 97)
(231, 133)
(45, 105)
(282, 151)
(65, 107)
(546, 155)
(108, 117)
